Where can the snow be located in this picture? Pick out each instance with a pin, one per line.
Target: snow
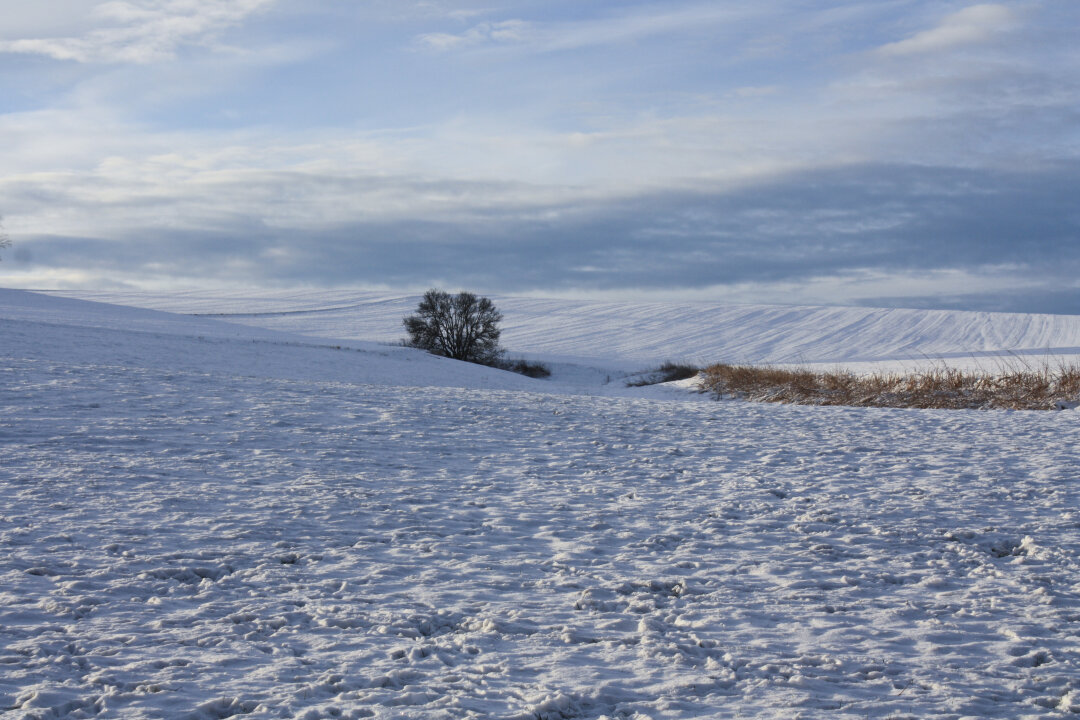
(280, 516)
(644, 333)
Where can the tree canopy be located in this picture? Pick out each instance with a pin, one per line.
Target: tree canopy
(461, 326)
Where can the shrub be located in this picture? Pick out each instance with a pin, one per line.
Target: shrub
(462, 327)
(524, 367)
(5, 241)
(668, 372)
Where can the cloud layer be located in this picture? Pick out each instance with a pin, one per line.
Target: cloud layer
(856, 234)
(860, 152)
(970, 26)
(140, 32)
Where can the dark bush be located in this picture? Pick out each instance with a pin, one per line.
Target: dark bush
(5, 242)
(668, 372)
(524, 367)
(462, 327)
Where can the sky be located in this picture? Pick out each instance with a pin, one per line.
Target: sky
(895, 153)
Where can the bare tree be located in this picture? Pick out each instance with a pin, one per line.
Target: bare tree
(462, 327)
(5, 241)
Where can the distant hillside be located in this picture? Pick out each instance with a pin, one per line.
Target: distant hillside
(649, 332)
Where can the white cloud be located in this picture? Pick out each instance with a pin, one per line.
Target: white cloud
(972, 25)
(507, 31)
(23, 19)
(140, 31)
(756, 91)
(608, 30)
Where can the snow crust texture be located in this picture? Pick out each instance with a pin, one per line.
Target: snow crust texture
(224, 537)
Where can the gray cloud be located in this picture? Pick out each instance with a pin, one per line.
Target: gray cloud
(1020, 231)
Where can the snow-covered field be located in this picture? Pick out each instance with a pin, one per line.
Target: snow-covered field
(280, 517)
(636, 334)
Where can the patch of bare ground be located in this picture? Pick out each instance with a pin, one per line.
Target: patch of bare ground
(1045, 388)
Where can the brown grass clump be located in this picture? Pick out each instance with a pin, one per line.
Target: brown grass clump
(942, 387)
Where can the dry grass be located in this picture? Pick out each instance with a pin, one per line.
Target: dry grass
(941, 387)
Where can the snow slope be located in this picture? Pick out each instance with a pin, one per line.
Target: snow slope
(644, 333)
(204, 520)
(94, 333)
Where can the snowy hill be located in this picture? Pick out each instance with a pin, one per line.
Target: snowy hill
(644, 333)
(43, 326)
(263, 511)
